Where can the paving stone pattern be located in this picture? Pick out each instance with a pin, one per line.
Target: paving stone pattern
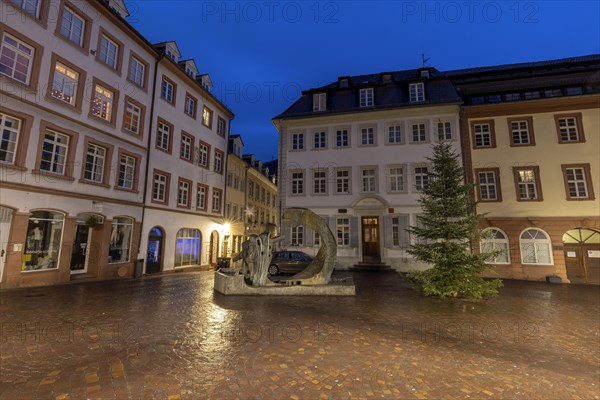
(172, 337)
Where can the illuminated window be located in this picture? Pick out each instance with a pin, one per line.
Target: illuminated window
(102, 104)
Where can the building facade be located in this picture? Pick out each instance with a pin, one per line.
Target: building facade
(355, 152)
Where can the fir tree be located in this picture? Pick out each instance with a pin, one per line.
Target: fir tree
(446, 231)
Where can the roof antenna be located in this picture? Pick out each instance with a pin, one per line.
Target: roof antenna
(424, 60)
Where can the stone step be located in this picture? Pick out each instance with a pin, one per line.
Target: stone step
(371, 267)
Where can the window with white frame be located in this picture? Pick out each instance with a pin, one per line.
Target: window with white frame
(216, 201)
(218, 162)
(167, 90)
(94, 163)
(64, 84)
(494, 240)
(419, 133)
(16, 59)
(183, 194)
(185, 150)
(316, 239)
(132, 117)
(483, 135)
(417, 92)
(576, 179)
(297, 141)
(342, 138)
(395, 232)
(369, 179)
(342, 181)
(319, 140)
(10, 130)
(319, 102)
(536, 247)
(319, 182)
(297, 236)
(367, 136)
(297, 182)
(190, 106)
(109, 51)
(127, 166)
(396, 179)
(120, 240)
(136, 71)
(394, 134)
(187, 247)
(201, 197)
(221, 126)
(163, 136)
(421, 178)
(527, 183)
(366, 97)
(520, 133)
(444, 130)
(31, 7)
(102, 105)
(159, 188)
(343, 231)
(207, 116)
(72, 26)
(488, 185)
(203, 159)
(54, 152)
(44, 240)
(568, 129)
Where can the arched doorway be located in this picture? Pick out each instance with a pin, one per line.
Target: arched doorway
(582, 255)
(155, 251)
(213, 248)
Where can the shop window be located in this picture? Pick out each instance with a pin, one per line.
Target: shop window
(44, 238)
(120, 240)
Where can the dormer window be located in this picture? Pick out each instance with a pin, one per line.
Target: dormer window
(343, 82)
(319, 100)
(169, 54)
(366, 97)
(189, 72)
(425, 73)
(417, 92)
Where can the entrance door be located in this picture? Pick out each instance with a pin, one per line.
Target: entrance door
(79, 252)
(213, 248)
(5, 219)
(582, 255)
(574, 263)
(370, 239)
(155, 251)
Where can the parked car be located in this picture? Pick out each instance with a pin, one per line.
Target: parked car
(288, 261)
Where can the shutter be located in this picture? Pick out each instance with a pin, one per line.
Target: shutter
(388, 237)
(353, 232)
(404, 235)
(309, 237)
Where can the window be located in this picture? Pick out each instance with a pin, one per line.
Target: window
(190, 106)
(186, 146)
(137, 71)
(183, 193)
(419, 133)
(512, 96)
(569, 128)
(369, 180)
(120, 240)
(73, 26)
(216, 200)
(521, 131)
(342, 181)
(417, 92)
(421, 178)
(342, 138)
(578, 182)
(394, 134)
(16, 59)
(367, 136)
(396, 232)
(444, 130)
(218, 161)
(204, 152)
(160, 188)
(163, 136)
(532, 95)
(319, 140)
(494, 240)
(30, 6)
(535, 247)
(133, 118)
(94, 163)
(319, 102)
(102, 104)
(489, 184)
(573, 91)
(221, 126)
(552, 93)
(108, 52)
(527, 183)
(127, 168)
(297, 236)
(44, 241)
(320, 182)
(167, 90)
(187, 247)
(366, 97)
(316, 239)
(201, 197)
(9, 136)
(396, 179)
(64, 85)
(298, 141)
(207, 117)
(54, 152)
(297, 182)
(343, 231)
(483, 134)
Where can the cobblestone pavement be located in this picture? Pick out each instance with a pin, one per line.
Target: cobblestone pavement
(172, 337)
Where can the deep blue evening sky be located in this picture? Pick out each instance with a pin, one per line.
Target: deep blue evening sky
(261, 54)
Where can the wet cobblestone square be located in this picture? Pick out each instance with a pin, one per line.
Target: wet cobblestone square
(172, 337)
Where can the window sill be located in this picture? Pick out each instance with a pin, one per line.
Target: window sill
(102, 120)
(12, 167)
(126, 190)
(52, 175)
(39, 270)
(99, 184)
